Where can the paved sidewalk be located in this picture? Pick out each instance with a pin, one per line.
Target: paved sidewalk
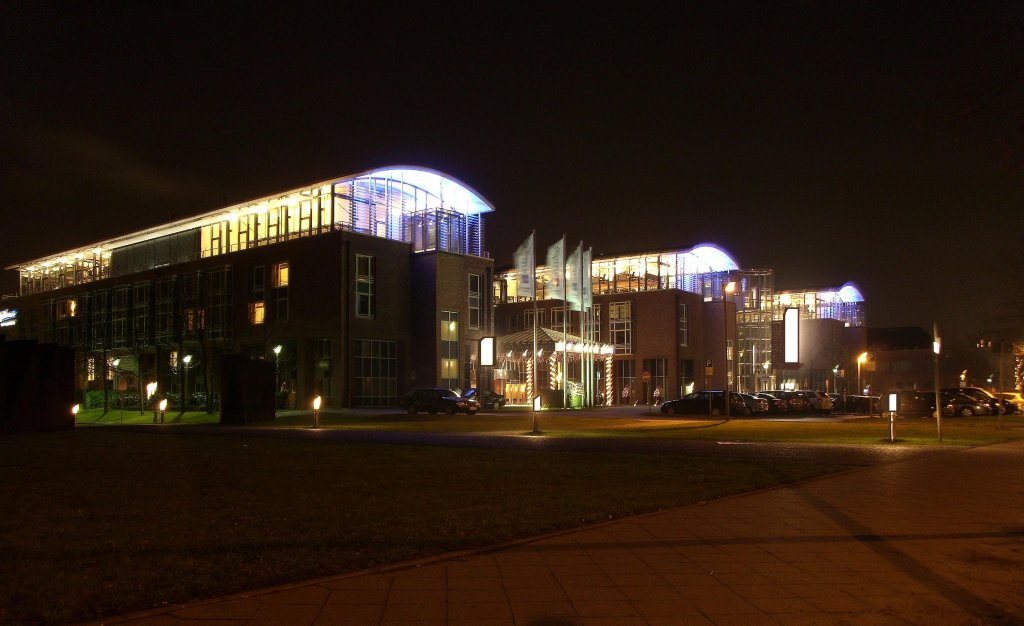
(936, 539)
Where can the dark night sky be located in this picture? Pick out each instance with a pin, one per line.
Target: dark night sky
(822, 139)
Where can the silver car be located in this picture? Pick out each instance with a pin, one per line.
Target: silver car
(820, 401)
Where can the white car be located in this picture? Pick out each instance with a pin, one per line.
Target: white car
(820, 401)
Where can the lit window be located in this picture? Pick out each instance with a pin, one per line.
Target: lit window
(256, 313)
(257, 296)
(620, 326)
(281, 275)
(449, 349)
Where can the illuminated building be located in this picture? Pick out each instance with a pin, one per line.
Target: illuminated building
(832, 334)
(662, 312)
(343, 274)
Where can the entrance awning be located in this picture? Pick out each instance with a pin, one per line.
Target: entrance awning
(549, 341)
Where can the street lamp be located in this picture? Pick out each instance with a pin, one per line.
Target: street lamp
(860, 359)
(277, 373)
(767, 379)
(835, 373)
(120, 399)
(729, 288)
(316, 412)
(186, 362)
(937, 348)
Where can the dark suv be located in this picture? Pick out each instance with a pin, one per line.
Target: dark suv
(487, 399)
(438, 400)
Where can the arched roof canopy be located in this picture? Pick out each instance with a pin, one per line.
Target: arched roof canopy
(849, 292)
(708, 257)
(453, 192)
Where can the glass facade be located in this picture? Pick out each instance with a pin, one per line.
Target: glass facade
(427, 209)
(620, 326)
(365, 286)
(450, 349)
(376, 373)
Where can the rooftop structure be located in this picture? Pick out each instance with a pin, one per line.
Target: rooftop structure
(844, 303)
(700, 269)
(426, 208)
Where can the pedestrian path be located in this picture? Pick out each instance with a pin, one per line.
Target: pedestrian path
(935, 539)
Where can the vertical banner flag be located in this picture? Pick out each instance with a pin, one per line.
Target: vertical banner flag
(526, 269)
(573, 281)
(556, 263)
(587, 278)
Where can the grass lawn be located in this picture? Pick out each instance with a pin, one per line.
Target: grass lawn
(863, 430)
(102, 521)
(133, 416)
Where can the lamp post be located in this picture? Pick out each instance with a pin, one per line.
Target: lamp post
(186, 361)
(861, 359)
(767, 379)
(150, 392)
(835, 373)
(729, 288)
(277, 374)
(120, 399)
(936, 348)
(316, 412)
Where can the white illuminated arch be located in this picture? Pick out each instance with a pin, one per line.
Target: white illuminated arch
(707, 257)
(850, 293)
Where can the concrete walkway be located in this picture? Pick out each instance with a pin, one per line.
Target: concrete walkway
(935, 539)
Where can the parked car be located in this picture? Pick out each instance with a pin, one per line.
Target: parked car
(916, 404)
(1015, 398)
(756, 406)
(487, 398)
(837, 402)
(987, 398)
(705, 402)
(438, 400)
(797, 402)
(963, 405)
(819, 400)
(776, 406)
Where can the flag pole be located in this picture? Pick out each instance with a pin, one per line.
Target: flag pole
(565, 313)
(533, 277)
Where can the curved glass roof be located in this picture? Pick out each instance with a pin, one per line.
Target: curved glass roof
(849, 292)
(453, 193)
(707, 257)
(447, 191)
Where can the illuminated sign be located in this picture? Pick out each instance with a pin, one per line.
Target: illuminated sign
(487, 351)
(791, 322)
(8, 317)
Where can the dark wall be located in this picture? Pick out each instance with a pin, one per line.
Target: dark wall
(37, 387)
(247, 390)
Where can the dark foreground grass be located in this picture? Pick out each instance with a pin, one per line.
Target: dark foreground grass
(102, 522)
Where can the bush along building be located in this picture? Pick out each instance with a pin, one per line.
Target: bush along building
(355, 288)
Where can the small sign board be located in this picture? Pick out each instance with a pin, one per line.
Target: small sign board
(646, 376)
